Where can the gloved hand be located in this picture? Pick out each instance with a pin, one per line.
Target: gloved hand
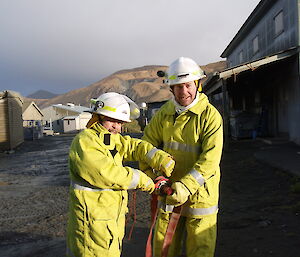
(162, 186)
(180, 194)
(166, 162)
(145, 183)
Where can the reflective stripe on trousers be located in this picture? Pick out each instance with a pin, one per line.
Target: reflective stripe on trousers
(186, 210)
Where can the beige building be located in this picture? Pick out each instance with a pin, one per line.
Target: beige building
(32, 121)
(31, 114)
(54, 117)
(75, 123)
(11, 123)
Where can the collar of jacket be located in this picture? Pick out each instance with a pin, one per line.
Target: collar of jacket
(101, 131)
(198, 108)
(99, 128)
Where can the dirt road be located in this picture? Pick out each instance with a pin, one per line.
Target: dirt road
(259, 210)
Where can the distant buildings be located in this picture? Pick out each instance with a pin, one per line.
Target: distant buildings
(147, 112)
(67, 118)
(21, 120)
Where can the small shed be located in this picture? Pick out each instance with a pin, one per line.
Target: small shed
(31, 114)
(54, 115)
(75, 123)
(11, 123)
(32, 121)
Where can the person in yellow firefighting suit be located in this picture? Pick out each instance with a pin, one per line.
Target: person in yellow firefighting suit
(99, 181)
(190, 129)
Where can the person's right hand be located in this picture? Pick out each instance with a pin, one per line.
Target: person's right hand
(145, 183)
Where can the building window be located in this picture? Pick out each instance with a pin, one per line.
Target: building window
(255, 45)
(68, 122)
(241, 56)
(278, 21)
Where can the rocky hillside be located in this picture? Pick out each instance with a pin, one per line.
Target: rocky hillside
(140, 84)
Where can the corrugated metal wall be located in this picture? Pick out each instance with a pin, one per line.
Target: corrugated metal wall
(11, 123)
(269, 43)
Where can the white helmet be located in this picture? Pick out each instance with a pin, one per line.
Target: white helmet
(183, 70)
(116, 106)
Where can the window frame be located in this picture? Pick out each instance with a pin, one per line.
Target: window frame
(255, 44)
(241, 56)
(278, 27)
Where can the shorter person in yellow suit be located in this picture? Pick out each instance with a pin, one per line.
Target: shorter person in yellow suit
(99, 181)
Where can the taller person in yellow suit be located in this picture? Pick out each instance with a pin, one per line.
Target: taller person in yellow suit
(190, 129)
(99, 181)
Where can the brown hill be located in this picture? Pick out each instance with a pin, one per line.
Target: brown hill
(140, 84)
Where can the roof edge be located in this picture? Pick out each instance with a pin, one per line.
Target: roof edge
(255, 15)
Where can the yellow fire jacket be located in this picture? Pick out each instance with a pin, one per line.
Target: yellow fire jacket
(195, 140)
(98, 191)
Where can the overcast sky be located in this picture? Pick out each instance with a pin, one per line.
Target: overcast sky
(60, 45)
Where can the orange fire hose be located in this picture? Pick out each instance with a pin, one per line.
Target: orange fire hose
(174, 218)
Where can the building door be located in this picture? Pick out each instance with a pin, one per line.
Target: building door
(282, 112)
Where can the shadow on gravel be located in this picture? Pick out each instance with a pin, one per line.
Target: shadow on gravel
(14, 244)
(137, 244)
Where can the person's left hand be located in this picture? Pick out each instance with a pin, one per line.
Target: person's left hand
(179, 196)
(162, 186)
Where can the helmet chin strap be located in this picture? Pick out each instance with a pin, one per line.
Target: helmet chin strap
(198, 85)
(96, 118)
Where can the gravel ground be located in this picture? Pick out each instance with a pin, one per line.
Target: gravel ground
(259, 205)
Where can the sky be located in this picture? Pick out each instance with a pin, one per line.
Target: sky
(61, 45)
